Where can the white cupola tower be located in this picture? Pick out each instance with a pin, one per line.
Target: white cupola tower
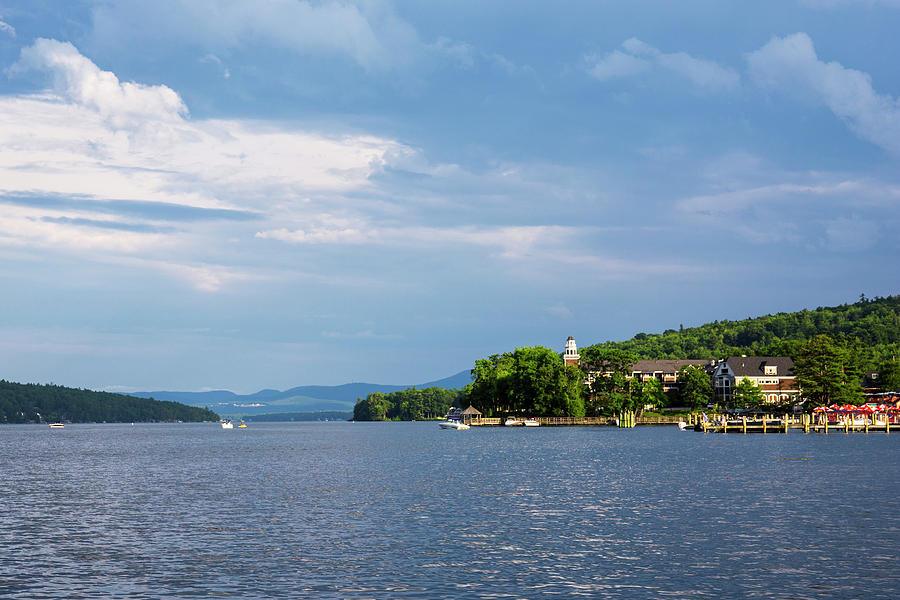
(571, 356)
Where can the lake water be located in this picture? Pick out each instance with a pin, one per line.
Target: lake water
(407, 510)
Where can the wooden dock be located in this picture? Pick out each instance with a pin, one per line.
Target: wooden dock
(595, 421)
(805, 423)
(878, 422)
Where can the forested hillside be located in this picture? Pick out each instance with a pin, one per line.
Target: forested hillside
(871, 326)
(31, 403)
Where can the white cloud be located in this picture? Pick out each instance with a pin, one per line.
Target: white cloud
(81, 81)
(96, 138)
(367, 32)
(212, 58)
(789, 65)
(205, 278)
(7, 28)
(465, 56)
(812, 210)
(637, 57)
(102, 141)
(616, 64)
(511, 242)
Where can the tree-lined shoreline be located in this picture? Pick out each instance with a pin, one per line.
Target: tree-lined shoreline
(833, 348)
(40, 403)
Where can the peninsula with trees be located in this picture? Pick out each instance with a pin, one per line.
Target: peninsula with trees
(33, 403)
(776, 362)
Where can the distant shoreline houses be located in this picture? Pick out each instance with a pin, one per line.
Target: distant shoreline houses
(773, 375)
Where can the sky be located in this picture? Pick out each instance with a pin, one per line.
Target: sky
(207, 194)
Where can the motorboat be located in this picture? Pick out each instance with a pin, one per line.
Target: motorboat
(57, 425)
(242, 425)
(453, 425)
(227, 424)
(531, 423)
(513, 422)
(682, 425)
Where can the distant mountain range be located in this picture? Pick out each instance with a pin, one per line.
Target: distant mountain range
(307, 398)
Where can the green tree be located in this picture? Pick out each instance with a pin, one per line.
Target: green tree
(650, 393)
(532, 380)
(610, 389)
(889, 376)
(490, 390)
(374, 407)
(827, 373)
(746, 394)
(696, 386)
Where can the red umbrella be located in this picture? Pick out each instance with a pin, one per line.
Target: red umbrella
(820, 409)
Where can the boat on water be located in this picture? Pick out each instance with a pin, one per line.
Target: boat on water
(453, 425)
(682, 425)
(226, 424)
(57, 425)
(531, 423)
(513, 422)
(242, 425)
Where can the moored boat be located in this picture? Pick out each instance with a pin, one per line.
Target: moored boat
(531, 423)
(57, 425)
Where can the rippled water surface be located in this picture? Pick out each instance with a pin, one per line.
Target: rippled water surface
(407, 510)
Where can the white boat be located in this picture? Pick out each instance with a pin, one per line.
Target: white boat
(452, 425)
(682, 425)
(56, 425)
(227, 424)
(531, 423)
(512, 422)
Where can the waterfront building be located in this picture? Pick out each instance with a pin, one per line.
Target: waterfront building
(666, 371)
(774, 375)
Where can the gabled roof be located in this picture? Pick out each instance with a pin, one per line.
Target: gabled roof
(667, 365)
(471, 411)
(754, 366)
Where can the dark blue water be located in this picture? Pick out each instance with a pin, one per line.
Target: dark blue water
(407, 510)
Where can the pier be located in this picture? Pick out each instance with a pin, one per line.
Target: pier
(879, 422)
(805, 423)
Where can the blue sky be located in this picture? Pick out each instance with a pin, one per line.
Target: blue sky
(198, 194)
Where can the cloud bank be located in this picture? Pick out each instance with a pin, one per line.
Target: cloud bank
(790, 65)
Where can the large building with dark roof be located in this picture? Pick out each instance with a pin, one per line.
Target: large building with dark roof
(666, 370)
(774, 375)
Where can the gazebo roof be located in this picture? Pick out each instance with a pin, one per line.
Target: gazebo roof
(471, 411)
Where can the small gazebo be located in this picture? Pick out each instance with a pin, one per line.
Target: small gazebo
(470, 416)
